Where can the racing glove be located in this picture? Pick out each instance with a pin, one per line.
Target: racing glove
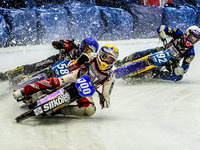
(162, 35)
(58, 44)
(83, 59)
(75, 64)
(164, 42)
(105, 103)
(63, 44)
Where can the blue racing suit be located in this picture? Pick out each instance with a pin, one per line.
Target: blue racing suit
(180, 47)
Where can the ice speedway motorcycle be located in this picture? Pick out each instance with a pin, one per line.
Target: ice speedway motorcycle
(137, 68)
(56, 70)
(47, 102)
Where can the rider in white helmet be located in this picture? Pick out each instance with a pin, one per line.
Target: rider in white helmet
(193, 34)
(182, 45)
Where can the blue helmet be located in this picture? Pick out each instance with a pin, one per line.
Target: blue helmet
(89, 45)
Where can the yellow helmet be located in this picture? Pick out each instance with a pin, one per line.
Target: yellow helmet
(107, 56)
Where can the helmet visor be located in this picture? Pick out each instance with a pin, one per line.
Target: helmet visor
(107, 58)
(86, 48)
(192, 38)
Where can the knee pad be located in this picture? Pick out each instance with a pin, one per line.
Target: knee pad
(179, 71)
(89, 111)
(79, 111)
(83, 102)
(84, 108)
(172, 78)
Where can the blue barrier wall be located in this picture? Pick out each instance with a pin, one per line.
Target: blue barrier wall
(183, 2)
(85, 20)
(116, 3)
(100, 22)
(42, 3)
(91, 2)
(52, 24)
(181, 17)
(58, 19)
(12, 4)
(22, 22)
(146, 20)
(4, 28)
(118, 23)
(29, 3)
(197, 10)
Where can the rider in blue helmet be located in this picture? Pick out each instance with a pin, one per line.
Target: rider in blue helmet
(73, 49)
(68, 49)
(89, 45)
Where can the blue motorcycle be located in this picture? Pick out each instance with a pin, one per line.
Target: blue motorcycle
(142, 67)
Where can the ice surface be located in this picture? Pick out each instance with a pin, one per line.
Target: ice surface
(143, 115)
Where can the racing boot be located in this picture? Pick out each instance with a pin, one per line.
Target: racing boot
(83, 108)
(156, 73)
(148, 74)
(149, 61)
(19, 94)
(3, 76)
(64, 111)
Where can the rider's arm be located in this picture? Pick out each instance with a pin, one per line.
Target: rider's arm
(106, 91)
(75, 64)
(63, 44)
(187, 60)
(67, 47)
(163, 31)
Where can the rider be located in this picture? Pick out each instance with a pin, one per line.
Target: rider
(181, 47)
(69, 49)
(101, 75)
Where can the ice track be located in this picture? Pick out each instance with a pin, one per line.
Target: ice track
(143, 115)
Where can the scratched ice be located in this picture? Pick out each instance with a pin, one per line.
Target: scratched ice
(143, 115)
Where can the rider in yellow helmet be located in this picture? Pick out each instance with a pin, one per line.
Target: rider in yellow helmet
(100, 71)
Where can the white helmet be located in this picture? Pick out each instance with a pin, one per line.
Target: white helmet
(107, 56)
(193, 34)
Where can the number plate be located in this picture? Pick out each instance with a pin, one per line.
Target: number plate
(161, 57)
(60, 68)
(85, 86)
